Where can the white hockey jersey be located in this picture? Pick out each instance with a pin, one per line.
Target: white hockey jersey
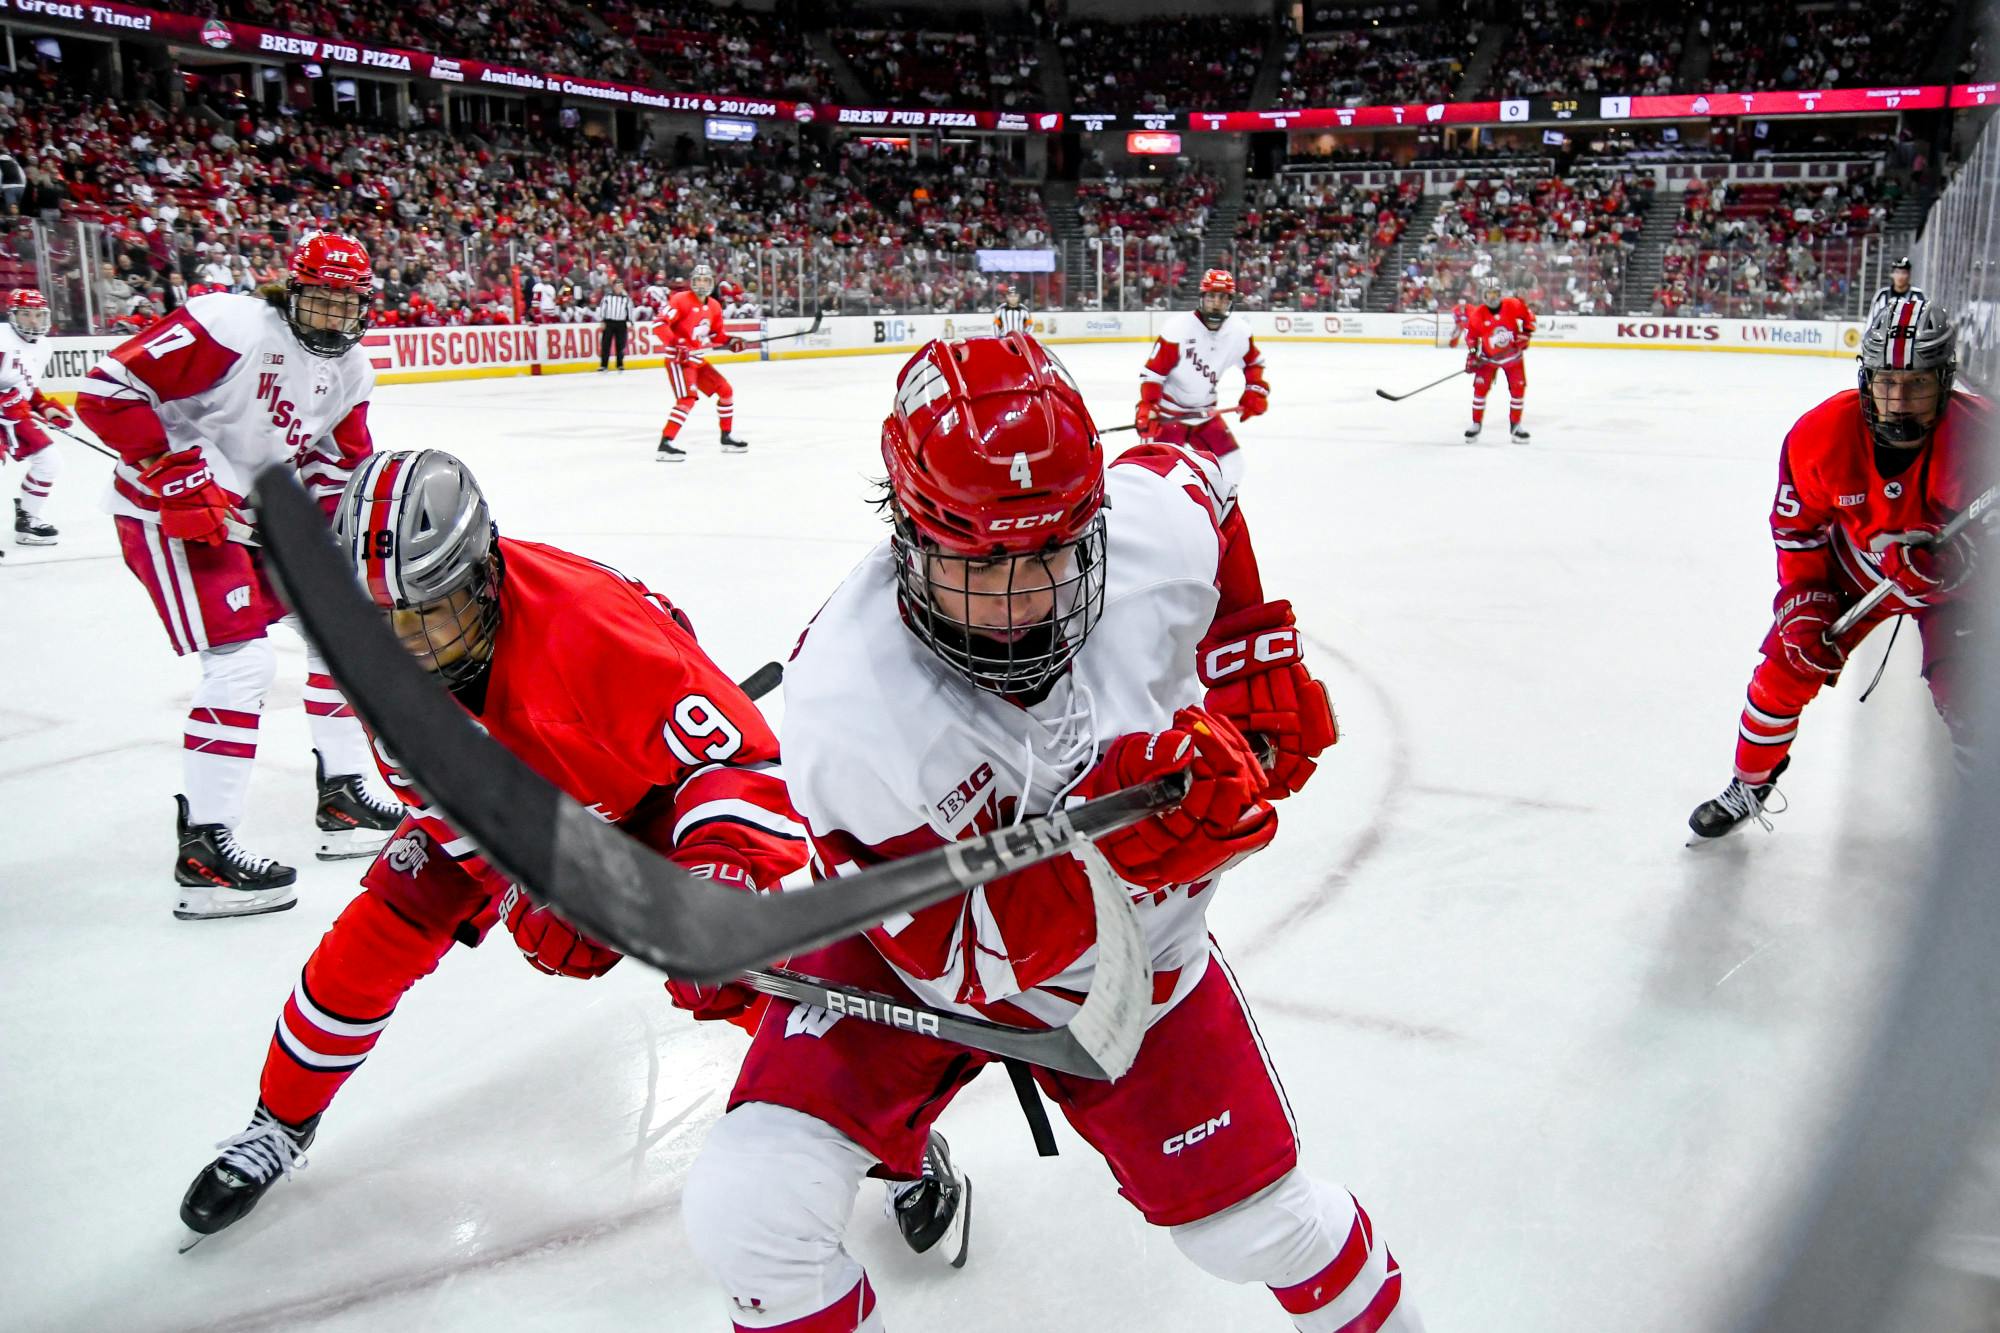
(1189, 360)
(888, 752)
(18, 360)
(225, 374)
(1886, 295)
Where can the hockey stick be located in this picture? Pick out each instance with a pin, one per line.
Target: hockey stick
(1399, 397)
(597, 877)
(818, 315)
(1100, 1040)
(1113, 430)
(240, 531)
(1877, 594)
(763, 680)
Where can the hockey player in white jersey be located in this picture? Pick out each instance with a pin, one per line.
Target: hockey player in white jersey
(194, 406)
(1178, 386)
(1035, 628)
(23, 409)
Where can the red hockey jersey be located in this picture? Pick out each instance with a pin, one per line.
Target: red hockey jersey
(1500, 335)
(1835, 512)
(599, 686)
(691, 323)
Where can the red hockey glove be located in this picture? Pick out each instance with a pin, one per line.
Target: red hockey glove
(1219, 821)
(1255, 402)
(1471, 362)
(731, 1000)
(1805, 614)
(1925, 570)
(735, 344)
(192, 506)
(52, 411)
(550, 943)
(1251, 664)
(1146, 418)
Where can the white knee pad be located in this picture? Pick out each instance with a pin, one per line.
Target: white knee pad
(236, 675)
(765, 1206)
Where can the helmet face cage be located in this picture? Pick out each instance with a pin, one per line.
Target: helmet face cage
(1013, 658)
(702, 280)
(30, 318)
(415, 529)
(327, 320)
(1908, 339)
(1214, 308)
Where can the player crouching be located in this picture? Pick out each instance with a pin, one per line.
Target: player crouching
(1865, 482)
(595, 682)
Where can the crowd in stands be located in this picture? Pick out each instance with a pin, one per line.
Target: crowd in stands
(1152, 228)
(1844, 45)
(697, 46)
(908, 66)
(528, 35)
(1559, 244)
(1187, 62)
(1771, 251)
(188, 204)
(1418, 62)
(1592, 46)
(1317, 242)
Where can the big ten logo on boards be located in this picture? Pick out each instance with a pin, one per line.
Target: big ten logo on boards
(893, 331)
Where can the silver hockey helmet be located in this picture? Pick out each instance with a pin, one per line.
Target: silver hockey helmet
(415, 529)
(1909, 358)
(702, 280)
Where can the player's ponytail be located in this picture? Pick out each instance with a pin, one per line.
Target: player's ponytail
(273, 294)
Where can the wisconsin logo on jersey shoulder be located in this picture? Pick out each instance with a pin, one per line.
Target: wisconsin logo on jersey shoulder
(237, 599)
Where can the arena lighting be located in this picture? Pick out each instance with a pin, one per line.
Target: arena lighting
(1152, 141)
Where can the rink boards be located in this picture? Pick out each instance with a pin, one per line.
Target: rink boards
(407, 356)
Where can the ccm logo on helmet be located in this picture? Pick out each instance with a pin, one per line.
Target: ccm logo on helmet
(1189, 1137)
(1025, 522)
(1278, 645)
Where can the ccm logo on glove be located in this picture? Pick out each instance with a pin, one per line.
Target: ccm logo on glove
(184, 484)
(1278, 645)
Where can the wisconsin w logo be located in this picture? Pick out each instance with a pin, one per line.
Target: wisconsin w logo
(809, 1020)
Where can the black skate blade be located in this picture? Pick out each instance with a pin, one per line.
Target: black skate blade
(964, 1224)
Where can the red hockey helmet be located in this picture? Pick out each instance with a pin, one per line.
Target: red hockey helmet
(996, 474)
(28, 312)
(1218, 293)
(328, 293)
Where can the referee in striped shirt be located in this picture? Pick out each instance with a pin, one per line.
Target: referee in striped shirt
(615, 309)
(1013, 316)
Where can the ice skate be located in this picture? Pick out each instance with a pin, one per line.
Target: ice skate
(351, 821)
(1520, 433)
(251, 1162)
(1472, 432)
(219, 877)
(935, 1213)
(1739, 801)
(732, 445)
(667, 453)
(29, 530)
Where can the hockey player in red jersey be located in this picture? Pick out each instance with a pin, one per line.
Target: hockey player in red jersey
(195, 406)
(1177, 387)
(690, 329)
(1036, 627)
(594, 681)
(23, 409)
(1496, 339)
(1865, 481)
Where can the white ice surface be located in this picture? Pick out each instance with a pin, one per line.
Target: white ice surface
(1566, 1062)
